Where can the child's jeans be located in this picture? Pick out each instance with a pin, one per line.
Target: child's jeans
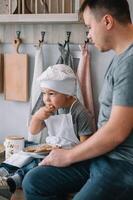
(23, 170)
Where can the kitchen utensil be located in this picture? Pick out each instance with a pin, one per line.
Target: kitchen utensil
(16, 75)
(22, 7)
(13, 6)
(43, 7)
(4, 7)
(1, 74)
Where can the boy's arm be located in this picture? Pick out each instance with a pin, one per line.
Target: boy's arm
(37, 120)
(36, 125)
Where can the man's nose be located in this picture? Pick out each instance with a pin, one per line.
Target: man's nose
(90, 38)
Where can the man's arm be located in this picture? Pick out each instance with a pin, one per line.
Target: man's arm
(82, 138)
(107, 138)
(113, 133)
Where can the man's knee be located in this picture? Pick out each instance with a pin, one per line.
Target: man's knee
(30, 180)
(27, 182)
(40, 179)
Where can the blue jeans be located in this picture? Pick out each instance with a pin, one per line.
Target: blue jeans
(23, 170)
(101, 179)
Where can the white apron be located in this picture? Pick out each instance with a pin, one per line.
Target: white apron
(61, 130)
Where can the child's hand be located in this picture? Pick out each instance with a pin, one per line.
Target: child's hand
(44, 112)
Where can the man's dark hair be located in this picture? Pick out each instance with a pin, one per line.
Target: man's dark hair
(119, 9)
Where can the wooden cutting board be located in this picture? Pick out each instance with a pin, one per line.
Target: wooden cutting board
(16, 77)
(1, 73)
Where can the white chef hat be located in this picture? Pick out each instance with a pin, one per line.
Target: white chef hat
(60, 78)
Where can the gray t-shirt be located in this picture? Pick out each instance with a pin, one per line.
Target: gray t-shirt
(118, 90)
(81, 119)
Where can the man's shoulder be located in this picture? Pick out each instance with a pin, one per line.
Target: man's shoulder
(127, 55)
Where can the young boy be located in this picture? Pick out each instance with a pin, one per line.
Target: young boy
(67, 121)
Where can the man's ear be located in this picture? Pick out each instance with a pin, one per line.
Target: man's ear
(108, 21)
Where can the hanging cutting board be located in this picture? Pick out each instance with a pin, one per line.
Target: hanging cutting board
(16, 76)
(1, 74)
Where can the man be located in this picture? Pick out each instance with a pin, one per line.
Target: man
(101, 168)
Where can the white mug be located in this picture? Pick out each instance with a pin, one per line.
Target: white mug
(13, 144)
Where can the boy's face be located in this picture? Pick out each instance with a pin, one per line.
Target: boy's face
(51, 97)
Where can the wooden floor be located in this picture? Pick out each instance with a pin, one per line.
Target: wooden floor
(18, 195)
(2, 198)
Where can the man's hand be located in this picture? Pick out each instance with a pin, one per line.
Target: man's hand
(58, 158)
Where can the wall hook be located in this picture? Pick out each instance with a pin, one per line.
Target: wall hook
(42, 39)
(17, 41)
(18, 34)
(68, 36)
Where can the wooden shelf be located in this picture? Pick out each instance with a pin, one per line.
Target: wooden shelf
(42, 18)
